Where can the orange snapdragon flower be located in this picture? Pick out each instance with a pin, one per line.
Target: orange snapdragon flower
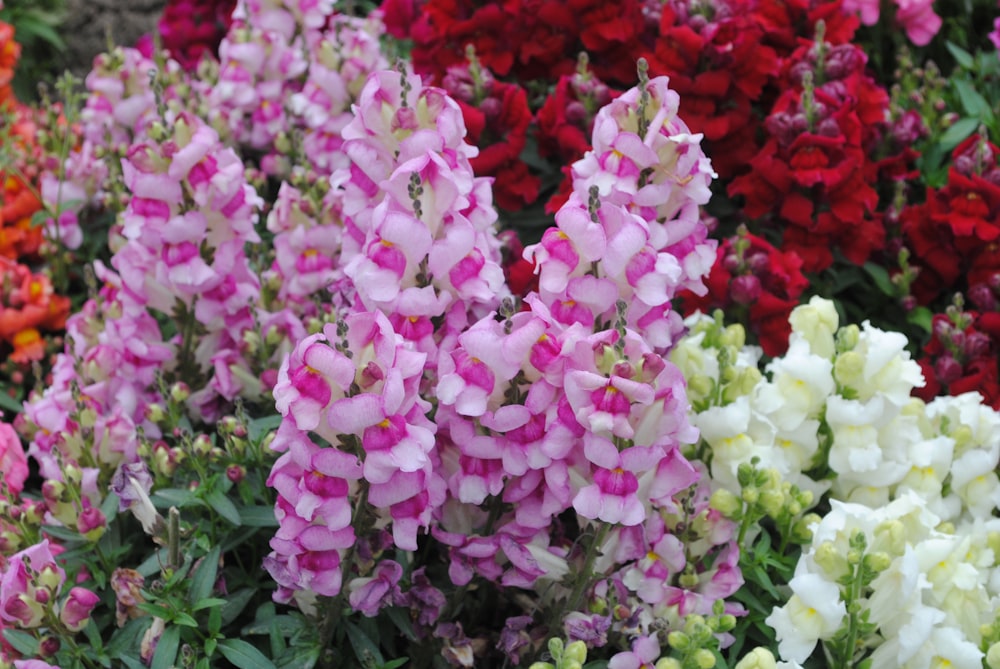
(27, 306)
(10, 52)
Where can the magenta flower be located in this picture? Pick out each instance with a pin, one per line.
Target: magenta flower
(25, 596)
(369, 595)
(644, 654)
(611, 497)
(918, 19)
(75, 611)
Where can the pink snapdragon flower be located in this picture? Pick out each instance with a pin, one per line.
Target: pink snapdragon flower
(26, 596)
(75, 611)
(917, 17)
(13, 461)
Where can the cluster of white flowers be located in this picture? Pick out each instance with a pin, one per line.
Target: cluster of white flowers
(917, 481)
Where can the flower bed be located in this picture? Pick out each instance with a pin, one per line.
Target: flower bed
(553, 334)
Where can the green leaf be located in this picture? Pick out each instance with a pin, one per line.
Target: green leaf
(258, 516)
(954, 135)
(22, 642)
(364, 647)
(155, 610)
(881, 278)
(9, 403)
(207, 603)
(401, 619)
(203, 579)
(185, 619)
(210, 646)
(398, 662)
(961, 56)
(237, 602)
(168, 497)
(972, 101)
(128, 636)
(131, 662)
(244, 655)
(224, 507)
(166, 648)
(259, 427)
(151, 565)
(203, 663)
(921, 316)
(602, 664)
(300, 657)
(63, 533)
(215, 620)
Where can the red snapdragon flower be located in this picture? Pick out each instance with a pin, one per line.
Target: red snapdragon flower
(961, 356)
(189, 29)
(719, 65)
(497, 118)
(752, 277)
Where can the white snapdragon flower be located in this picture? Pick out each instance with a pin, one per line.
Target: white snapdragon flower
(689, 354)
(886, 368)
(968, 421)
(896, 606)
(857, 455)
(946, 647)
(814, 612)
(974, 479)
(735, 434)
(816, 323)
(930, 464)
(800, 384)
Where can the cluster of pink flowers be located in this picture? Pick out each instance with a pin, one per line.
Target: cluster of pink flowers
(563, 406)
(290, 68)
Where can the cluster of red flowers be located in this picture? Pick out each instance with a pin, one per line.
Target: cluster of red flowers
(812, 178)
(961, 355)
(28, 304)
(954, 239)
(955, 234)
(755, 283)
(190, 28)
(805, 170)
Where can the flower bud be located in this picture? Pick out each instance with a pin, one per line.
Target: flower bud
(878, 561)
(91, 523)
(849, 369)
(155, 413)
(180, 392)
(704, 658)
(668, 663)
(48, 646)
(75, 612)
(830, 560)
(678, 640)
(993, 656)
(772, 502)
(576, 652)
(201, 446)
(726, 503)
(758, 658)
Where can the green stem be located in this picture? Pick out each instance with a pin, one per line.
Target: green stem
(586, 574)
(852, 622)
